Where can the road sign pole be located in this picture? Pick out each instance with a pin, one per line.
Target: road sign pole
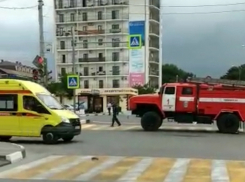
(73, 65)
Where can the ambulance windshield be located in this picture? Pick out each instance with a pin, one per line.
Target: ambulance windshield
(50, 101)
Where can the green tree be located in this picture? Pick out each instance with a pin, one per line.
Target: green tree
(145, 89)
(171, 73)
(235, 73)
(60, 88)
(57, 89)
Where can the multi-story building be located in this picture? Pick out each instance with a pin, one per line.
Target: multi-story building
(103, 58)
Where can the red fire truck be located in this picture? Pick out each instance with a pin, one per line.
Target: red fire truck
(202, 100)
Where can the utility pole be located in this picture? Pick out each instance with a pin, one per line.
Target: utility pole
(73, 63)
(41, 38)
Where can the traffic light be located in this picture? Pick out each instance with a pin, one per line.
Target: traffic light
(35, 74)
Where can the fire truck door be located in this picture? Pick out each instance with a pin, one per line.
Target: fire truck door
(169, 99)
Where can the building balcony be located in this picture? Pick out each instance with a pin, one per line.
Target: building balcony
(95, 46)
(93, 32)
(153, 72)
(93, 4)
(155, 18)
(154, 60)
(104, 74)
(155, 3)
(154, 32)
(105, 85)
(154, 46)
(92, 61)
(91, 19)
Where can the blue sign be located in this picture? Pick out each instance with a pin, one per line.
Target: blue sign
(137, 28)
(73, 81)
(134, 42)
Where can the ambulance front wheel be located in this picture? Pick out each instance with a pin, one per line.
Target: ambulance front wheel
(151, 121)
(50, 138)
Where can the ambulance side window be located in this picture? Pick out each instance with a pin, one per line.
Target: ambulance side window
(32, 104)
(9, 102)
(169, 91)
(187, 91)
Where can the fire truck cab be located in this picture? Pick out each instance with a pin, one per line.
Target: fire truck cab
(198, 100)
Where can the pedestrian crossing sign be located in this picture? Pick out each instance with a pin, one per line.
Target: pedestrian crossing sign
(134, 42)
(73, 81)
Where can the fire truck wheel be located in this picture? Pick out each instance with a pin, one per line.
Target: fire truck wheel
(151, 121)
(228, 123)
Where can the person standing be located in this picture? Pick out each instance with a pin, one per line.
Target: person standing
(115, 112)
(109, 108)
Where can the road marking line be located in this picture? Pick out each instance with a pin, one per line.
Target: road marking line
(35, 171)
(198, 170)
(79, 169)
(100, 127)
(236, 170)
(178, 171)
(130, 127)
(95, 171)
(62, 168)
(136, 170)
(116, 171)
(27, 166)
(86, 126)
(219, 171)
(158, 170)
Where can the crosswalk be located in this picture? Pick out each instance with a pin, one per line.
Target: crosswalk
(138, 127)
(128, 169)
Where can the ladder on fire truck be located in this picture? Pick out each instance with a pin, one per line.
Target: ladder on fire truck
(214, 81)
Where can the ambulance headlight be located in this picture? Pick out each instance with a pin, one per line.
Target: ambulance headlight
(65, 120)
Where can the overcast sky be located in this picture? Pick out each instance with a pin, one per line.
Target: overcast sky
(206, 44)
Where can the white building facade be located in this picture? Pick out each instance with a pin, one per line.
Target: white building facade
(103, 58)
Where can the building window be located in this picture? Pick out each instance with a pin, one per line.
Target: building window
(115, 70)
(115, 26)
(115, 42)
(63, 71)
(100, 15)
(115, 56)
(72, 17)
(100, 68)
(85, 57)
(101, 84)
(8, 102)
(85, 17)
(85, 71)
(100, 41)
(115, 84)
(60, 4)
(99, 27)
(100, 56)
(61, 18)
(86, 84)
(63, 58)
(72, 3)
(85, 43)
(62, 45)
(85, 28)
(115, 14)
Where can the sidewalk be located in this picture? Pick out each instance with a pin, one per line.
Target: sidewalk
(11, 153)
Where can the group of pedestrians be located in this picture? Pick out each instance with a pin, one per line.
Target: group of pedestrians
(114, 109)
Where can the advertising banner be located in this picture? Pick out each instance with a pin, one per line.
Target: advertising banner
(136, 55)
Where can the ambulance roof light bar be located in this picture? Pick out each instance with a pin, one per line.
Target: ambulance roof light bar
(214, 81)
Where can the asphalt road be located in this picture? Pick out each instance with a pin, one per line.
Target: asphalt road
(137, 143)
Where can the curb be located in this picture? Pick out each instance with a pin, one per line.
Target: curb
(15, 156)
